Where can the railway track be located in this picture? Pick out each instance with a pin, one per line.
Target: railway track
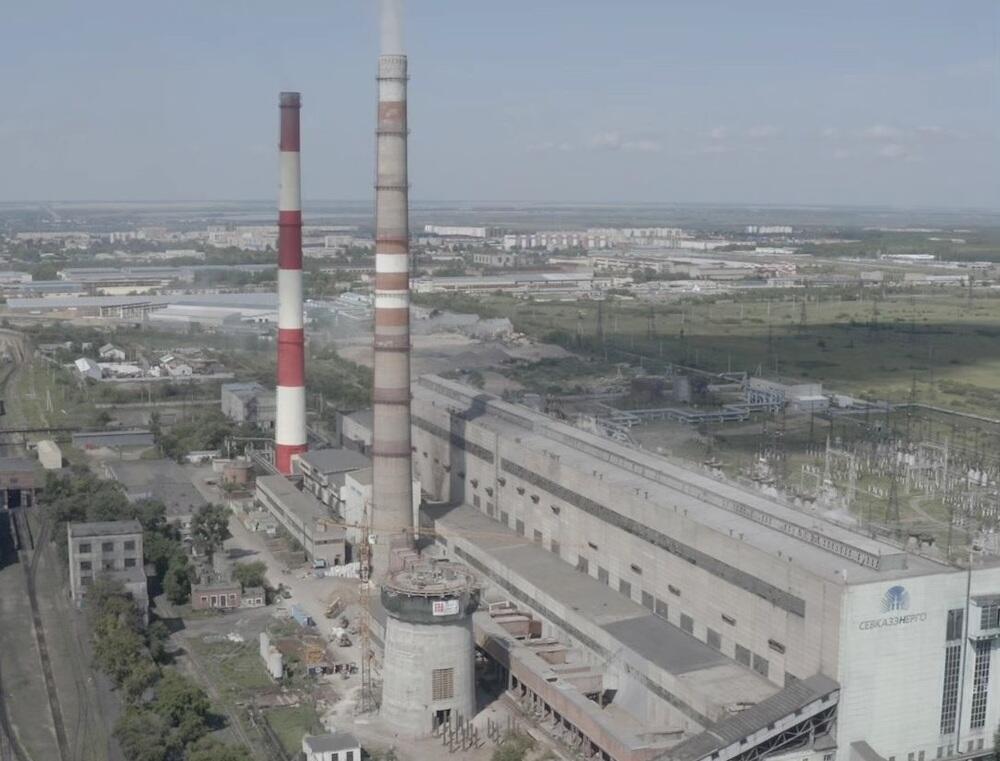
(30, 566)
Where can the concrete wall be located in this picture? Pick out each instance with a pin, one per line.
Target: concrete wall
(412, 653)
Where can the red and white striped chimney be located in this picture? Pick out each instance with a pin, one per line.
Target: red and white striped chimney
(290, 412)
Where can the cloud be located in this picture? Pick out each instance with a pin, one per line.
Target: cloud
(763, 132)
(718, 133)
(607, 141)
(548, 146)
(830, 133)
(882, 132)
(615, 141)
(893, 151)
(716, 149)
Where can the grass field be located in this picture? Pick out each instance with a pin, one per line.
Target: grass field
(941, 346)
(290, 723)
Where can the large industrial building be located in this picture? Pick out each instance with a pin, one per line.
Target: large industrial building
(723, 624)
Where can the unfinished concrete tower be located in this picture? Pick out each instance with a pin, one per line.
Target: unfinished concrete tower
(392, 484)
(429, 665)
(290, 412)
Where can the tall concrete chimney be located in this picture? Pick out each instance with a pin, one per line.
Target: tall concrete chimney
(290, 412)
(392, 479)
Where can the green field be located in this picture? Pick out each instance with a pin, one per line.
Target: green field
(941, 347)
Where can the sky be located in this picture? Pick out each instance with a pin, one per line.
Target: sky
(703, 101)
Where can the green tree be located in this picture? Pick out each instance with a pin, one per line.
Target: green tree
(140, 678)
(184, 705)
(210, 528)
(145, 736)
(210, 749)
(250, 574)
(177, 580)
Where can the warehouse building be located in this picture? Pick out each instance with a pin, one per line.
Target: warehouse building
(162, 480)
(17, 482)
(305, 518)
(731, 625)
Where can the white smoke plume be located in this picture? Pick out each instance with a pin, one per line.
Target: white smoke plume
(390, 14)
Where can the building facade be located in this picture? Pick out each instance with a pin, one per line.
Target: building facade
(216, 595)
(248, 403)
(111, 549)
(910, 642)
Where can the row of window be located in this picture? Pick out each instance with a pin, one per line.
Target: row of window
(108, 565)
(944, 751)
(713, 638)
(952, 672)
(85, 548)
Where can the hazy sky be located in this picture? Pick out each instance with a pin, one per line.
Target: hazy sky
(849, 102)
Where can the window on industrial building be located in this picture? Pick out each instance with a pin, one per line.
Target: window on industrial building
(729, 619)
(742, 655)
(107, 546)
(84, 547)
(624, 587)
(980, 683)
(955, 619)
(475, 500)
(714, 639)
(647, 600)
(592, 545)
(949, 697)
(130, 562)
(582, 564)
(660, 608)
(920, 756)
(776, 646)
(990, 616)
(760, 664)
(673, 590)
(555, 546)
(130, 544)
(85, 565)
(442, 684)
(909, 756)
(490, 510)
(554, 508)
(538, 536)
(519, 527)
(504, 517)
(687, 623)
(636, 569)
(603, 576)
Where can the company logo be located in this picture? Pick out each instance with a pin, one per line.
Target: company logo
(896, 598)
(894, 601)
